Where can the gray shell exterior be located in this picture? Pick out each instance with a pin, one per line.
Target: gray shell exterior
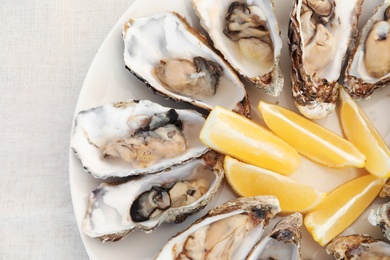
(94, 127)
(357, 86)
(261, 210)
(381, 217)
(287, 233)
(316, 96)
(355, 247)
(385, 191)
(212, 19)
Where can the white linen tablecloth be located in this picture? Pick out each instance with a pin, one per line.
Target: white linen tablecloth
(46, 48)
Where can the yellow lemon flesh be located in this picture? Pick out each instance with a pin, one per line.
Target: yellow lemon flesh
(310, 139)
(249, 180)
(342, 207)
(358, 129)
(235, 135)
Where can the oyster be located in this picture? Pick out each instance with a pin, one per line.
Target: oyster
(360, 247)
(319, 35)
(381, 218)
(227, 232)
(144, 202)
(176, 61)
(135, 137)
(248, 36)
(385, 191)
(284, 241)
(369, 65)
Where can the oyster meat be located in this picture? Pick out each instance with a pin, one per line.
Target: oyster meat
(283, 242)
(135, 137)
(358, 247)
(319, 35)
(198, 78)
(248, 36)
(369, 63)
(144, 202)
(381, 218)
(227, 232)
(176, 61)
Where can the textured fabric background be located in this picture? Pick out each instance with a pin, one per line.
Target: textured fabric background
(46, 48)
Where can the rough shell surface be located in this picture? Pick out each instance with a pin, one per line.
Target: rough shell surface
(358, 81)
(381, 217)
(315, 92)
(257, 211)
(385, 192)
(212, 16)
(95, 127)
(165, 36)
(355, 247)
(283, 242)
(109, 215)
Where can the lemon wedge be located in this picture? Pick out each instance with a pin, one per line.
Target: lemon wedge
(310, 139)
(342, 207)
(358, 129)
(248, 180)
(235, 135)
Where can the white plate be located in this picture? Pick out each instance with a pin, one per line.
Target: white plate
(108, 81)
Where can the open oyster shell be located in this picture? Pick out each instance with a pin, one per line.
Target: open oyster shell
(176, 61)
(228, 231)
(354, 247)
(319, 36)
(381, 217)
(283, 242)
(135, 137)
(248, 36)
(369, 63)
(144, 202)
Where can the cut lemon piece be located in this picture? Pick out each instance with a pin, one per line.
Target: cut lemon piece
(230, 133)
(310, 139)
(358, 129)
(248, 180)
(342, 207)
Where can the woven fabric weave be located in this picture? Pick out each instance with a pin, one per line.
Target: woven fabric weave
(46, 48)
